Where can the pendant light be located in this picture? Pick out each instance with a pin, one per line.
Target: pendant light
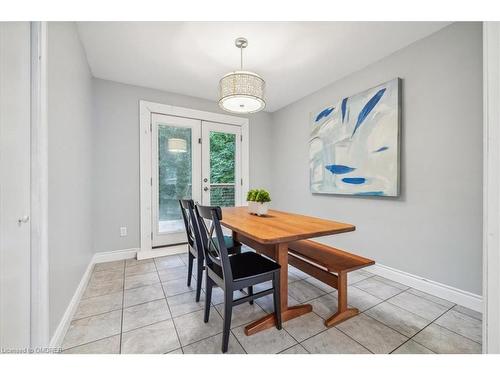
(242, 91)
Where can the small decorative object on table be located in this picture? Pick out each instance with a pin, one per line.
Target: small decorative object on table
(258, 201)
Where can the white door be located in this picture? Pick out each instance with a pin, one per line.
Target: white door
(176, 174)
(14, 185)
(221, 164)
(193, 159)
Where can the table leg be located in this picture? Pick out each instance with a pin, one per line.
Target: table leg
(343, 312)
(287, 312)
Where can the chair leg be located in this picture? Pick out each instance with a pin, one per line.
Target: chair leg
(250, 293)
(228, 311)
(208, 298)
(190, 267)
(276, 298)
(199, 278)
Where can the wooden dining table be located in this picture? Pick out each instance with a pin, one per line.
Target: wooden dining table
(270, 235)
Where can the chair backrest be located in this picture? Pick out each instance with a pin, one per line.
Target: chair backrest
(214, 248)
(191, 224)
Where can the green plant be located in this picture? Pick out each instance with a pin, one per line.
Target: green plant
(251, 195)
(262, 196)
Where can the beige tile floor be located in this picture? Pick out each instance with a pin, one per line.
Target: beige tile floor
(146, 307)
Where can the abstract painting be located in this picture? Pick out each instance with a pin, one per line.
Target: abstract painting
(354, 144)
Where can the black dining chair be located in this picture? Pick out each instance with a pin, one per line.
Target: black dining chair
(194, 244)
(233, 273)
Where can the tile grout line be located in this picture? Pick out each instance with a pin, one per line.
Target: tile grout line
(137, 287)
(238, 326)
(408, 289)
(147, 325)
(300, 343)
(143, 303)
(86, 317)
(90, 342)
(430, 300)
(284, 350)
(101, 313)
(411, 338)
(328, 293)
(373, 295)
(123, 302)
(168, 306)
(456, 333)
(469, 315)
(171, 318)
(382, 300)
(434, 322)
(100, 295)
(231, 330)
(405, 309)
(342, 332)
(363, 312)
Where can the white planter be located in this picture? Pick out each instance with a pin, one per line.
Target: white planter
(252, 207)
(257, 208)
(261, 208)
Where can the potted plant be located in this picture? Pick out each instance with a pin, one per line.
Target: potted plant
(252, 205)
(258, 201)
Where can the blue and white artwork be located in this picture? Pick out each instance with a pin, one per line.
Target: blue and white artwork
(354, 144)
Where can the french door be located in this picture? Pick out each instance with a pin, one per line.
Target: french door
(191, 159)
(221, 164)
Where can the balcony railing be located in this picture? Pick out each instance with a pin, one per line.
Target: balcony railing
(222, 195)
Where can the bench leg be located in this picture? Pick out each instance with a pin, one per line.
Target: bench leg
(343, 312)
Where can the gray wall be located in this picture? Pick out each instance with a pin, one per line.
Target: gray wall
(434, 229)
(116, 150)
(70, 165)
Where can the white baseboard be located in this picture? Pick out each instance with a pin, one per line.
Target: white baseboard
(62, 328)
(106, 256)
(109, 256)
(160, 252)
(458, 296)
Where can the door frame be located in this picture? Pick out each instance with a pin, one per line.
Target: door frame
(146, 109)
(491, 187)
(40, 332)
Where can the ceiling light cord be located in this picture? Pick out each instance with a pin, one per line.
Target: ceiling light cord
(241, 58)
(241, 43)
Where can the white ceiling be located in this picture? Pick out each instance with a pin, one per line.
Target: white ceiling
(295, 58)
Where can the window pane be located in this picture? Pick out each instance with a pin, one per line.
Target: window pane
(175, 173)
(222, 169)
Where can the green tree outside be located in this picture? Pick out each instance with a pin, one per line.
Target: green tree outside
(175, 170)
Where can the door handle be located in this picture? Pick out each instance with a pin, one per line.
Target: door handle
(205, 188)
(23, 219)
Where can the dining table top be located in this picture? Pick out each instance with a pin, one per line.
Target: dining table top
(278, 226)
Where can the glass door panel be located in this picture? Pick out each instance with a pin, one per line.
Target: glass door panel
(222, 169)
(221, 164)
(176, 175)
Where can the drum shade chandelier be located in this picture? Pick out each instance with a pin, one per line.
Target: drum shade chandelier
(242, 91)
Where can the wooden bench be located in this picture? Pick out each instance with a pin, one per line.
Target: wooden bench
(320, 261)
